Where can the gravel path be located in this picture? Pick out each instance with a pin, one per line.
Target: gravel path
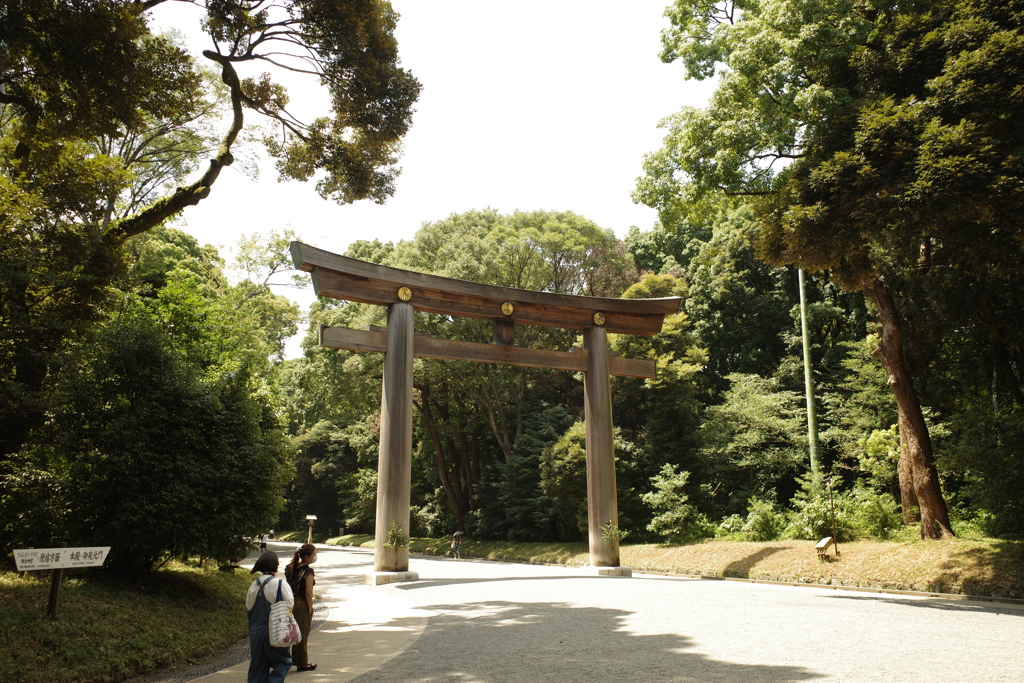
(483, 622)
(512, 623)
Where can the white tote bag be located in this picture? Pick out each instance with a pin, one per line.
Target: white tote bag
(284, 630)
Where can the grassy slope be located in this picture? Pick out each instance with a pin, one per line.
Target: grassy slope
(983, 568)
(988, 567)
(107, 632)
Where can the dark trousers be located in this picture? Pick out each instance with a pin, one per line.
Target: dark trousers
(303, 614)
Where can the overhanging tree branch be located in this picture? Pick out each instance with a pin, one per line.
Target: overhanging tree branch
(184, 197)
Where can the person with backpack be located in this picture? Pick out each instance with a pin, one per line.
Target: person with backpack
(301, 579)
(267, 664)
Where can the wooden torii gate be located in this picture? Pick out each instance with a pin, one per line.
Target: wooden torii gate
(404, 291)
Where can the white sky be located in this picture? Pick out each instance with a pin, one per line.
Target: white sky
(540, 104)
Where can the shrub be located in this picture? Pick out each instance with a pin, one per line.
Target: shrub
(876, 515)
(971, 526)
(765, 522)
(678, 521)
(811, 517)
(988, 448)
(157, 455)
(730, 527)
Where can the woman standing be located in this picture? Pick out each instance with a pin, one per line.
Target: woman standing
(300, 577)
(457, 545)
(267, 664)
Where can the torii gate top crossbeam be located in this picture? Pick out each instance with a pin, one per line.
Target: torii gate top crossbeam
(349, 279)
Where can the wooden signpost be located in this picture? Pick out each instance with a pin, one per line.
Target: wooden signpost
(57, 560)
(404, 292)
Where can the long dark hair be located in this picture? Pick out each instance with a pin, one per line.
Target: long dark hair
(304, 551)
(266, 564)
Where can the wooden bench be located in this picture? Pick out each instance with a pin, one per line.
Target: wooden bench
(822, 548)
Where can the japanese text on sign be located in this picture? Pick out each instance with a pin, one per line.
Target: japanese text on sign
(35, 559)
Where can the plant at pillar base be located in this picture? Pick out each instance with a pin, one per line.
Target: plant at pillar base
(396, 539)
(611, 533)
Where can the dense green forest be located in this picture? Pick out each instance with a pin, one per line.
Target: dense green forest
(145, 402)
(137, 407)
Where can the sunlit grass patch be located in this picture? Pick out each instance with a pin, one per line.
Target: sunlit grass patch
(982, 567)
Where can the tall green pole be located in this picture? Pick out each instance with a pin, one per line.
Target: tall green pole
(812, 415)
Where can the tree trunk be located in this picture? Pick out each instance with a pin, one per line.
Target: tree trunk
(454, 502)
(493, 408)
(913, 430)
(1002, 355)
(905, 469)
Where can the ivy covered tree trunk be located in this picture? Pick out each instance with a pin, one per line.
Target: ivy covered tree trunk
(916, 445)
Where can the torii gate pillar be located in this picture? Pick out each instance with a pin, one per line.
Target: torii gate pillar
(394, 468)
(602, 504)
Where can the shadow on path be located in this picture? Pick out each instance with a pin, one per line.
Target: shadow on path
(507, 642)
(433, 583)
(937, 603)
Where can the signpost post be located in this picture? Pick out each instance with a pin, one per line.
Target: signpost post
(310, 519)
(57, 560)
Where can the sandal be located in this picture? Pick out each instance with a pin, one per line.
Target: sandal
(306, 668)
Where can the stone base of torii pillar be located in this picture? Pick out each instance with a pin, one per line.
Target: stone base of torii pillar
(607, 571)
(381, 578)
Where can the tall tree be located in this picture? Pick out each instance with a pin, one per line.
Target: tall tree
(540, 250)
(739, 304)
(660, 415)
(162, 435)
(921, 174)
(874, 139)
(753, 443)
(99, 119)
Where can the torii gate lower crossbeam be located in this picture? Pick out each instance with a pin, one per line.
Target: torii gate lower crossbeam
(403, 292)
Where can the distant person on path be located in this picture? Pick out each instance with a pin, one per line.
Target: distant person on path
(266, 664)
(457, 545)
(263, 542)
(300, 578)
